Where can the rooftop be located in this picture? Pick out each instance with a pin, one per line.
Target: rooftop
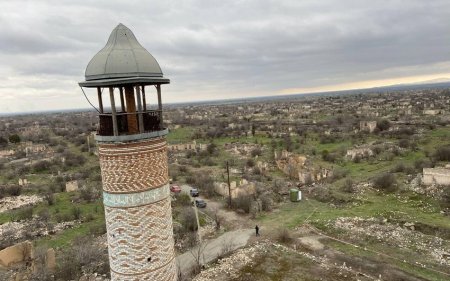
(123, 61)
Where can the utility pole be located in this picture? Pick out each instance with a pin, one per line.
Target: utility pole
(89, 143)
(198, 224)
(229, 186)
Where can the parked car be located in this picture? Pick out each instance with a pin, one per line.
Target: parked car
(193, 192)
(200, 203)
(175, 189)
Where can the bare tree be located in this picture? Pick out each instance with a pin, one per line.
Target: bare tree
(227, 246)
(198, 255)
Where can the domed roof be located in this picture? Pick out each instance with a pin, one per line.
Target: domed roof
(122, 57)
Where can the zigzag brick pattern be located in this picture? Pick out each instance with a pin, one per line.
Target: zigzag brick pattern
(135, 166)
(137, 210)
(167, 273)
(140, 239)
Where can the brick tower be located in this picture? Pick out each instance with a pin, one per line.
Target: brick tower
(133, 159)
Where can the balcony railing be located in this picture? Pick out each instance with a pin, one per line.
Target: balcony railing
(130, 123)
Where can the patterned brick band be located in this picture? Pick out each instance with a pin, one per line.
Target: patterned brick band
(134, 166)
(140, 241)
(135, 199)
(168, 273)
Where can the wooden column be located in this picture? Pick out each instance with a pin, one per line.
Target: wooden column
(131, 110)
(122, 102)
(100, 101)
(113, 111)
(139, 104)
(158, 88)
(143, 98)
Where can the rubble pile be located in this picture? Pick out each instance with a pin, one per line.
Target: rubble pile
(15, 231)
(242, 149)
(229, 267)
(396, 235)
(416, 186)
(94, 277)
(15, 202)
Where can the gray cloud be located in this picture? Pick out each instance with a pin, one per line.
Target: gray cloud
(219, 49)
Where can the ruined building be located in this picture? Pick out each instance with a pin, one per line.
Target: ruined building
(132, 150)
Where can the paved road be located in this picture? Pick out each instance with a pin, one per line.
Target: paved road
(212, 249)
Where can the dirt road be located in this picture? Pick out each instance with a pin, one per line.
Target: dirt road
(212, 249)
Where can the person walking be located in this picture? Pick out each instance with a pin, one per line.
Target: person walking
(257, 230)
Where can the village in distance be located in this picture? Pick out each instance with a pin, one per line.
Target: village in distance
(344, 186)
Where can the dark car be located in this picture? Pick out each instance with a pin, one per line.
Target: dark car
(175, 189)
(193, 192)
(200, 203)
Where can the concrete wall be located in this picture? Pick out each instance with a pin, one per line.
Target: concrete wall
(236, 191)
(439, 176)
(71, 186)
(22, 252)
(187, 146)
(359, 152)
(368, 126)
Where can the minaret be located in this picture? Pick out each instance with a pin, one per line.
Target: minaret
(133, 159)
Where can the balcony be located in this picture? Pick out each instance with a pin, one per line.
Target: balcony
(130, 123)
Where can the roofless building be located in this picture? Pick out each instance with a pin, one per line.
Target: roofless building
(133, 160)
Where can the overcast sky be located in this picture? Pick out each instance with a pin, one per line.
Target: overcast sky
(214, 49)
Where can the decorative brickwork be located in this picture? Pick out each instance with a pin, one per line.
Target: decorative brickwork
(134, 166)
(140, 238)
(167, 273)
(137, 209)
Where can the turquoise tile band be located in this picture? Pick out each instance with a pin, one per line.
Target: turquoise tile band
(135, 199)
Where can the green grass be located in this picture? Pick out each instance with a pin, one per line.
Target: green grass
(375, 205)
(180, 135)
(391, 251)
(66, 237)
(63, 206)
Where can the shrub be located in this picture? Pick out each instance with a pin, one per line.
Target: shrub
(12, 190)
(243, 203)
(3, 142)
(97, 230)
(266, 203)
(284, 236)
(327, 156)
(44, 215)
(442, 153)
(63, 217)
(83, 256)
(348, 186)
(404, 143)
(50, 198)
(445, 200)
(423, 163)
(188, 220)
(183, 199)
(14, 138)
(89, 217)
(383, 125)
(41, 166)
(87, 194)
(339, 173)
(25, 213)
(386, 182)
(399, 168)
(256, 152)
(76, 213)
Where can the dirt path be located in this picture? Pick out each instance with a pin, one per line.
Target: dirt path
(212, 249)
(229, 218)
